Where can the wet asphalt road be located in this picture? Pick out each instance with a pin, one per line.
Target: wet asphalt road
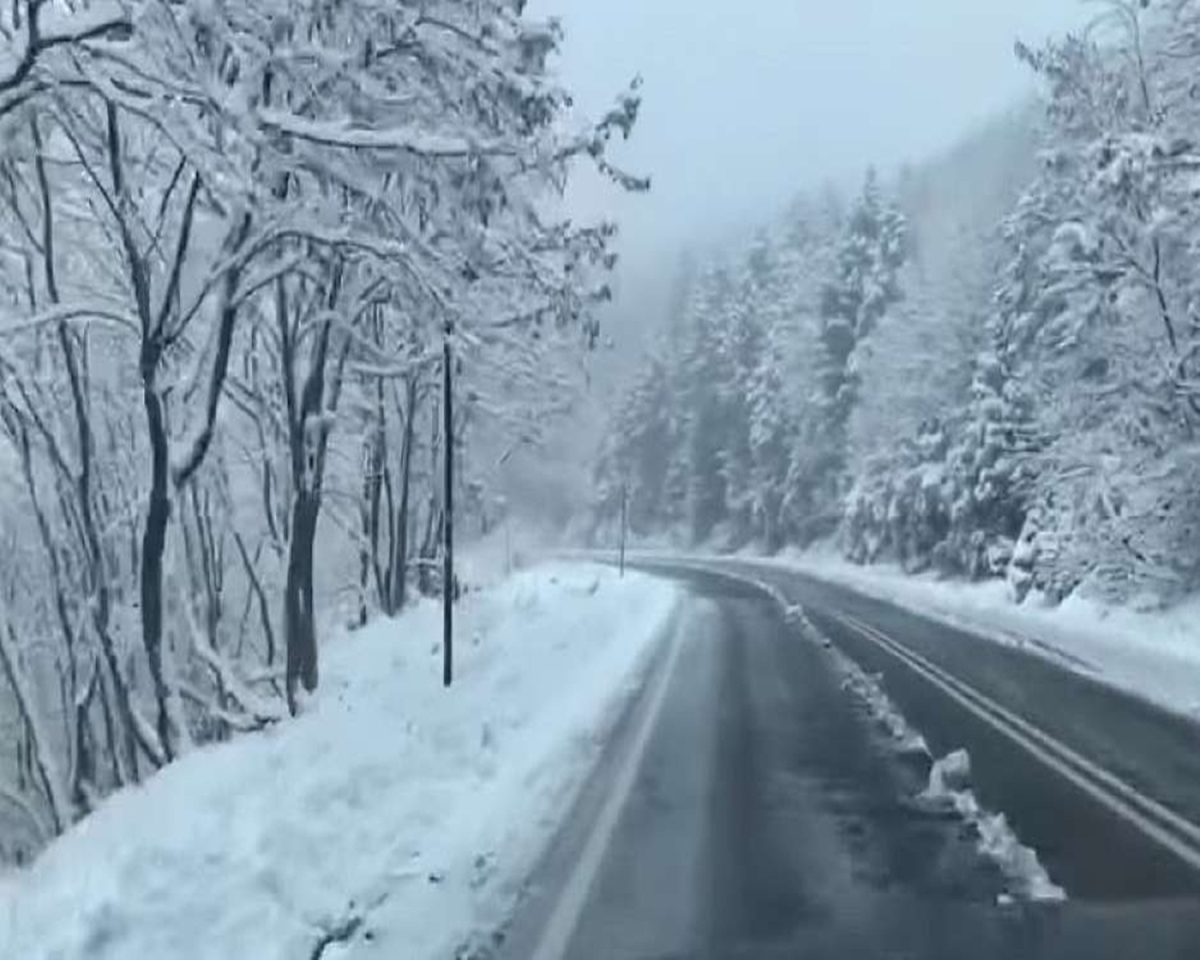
(1092, 853)
(769, 816)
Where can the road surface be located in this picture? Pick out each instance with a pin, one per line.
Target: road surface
(747, 806)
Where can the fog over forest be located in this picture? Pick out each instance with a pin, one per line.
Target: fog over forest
(294, 297)
(746, 111)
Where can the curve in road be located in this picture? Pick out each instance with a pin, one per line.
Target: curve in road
(759, 813)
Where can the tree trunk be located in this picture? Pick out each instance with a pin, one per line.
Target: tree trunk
(154, 339)
(260, 594)
(82, 787)
(433, 519)
(22, 739)
(448, 584)
(399, 586)
(299, 625)
(23, 696)
(112, 744)
(308, 436)
(368, 547)
(154, 540)
(372, 492)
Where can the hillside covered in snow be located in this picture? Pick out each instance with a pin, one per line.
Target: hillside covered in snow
(393, 818)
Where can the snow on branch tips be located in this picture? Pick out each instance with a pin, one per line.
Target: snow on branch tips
(37, 27)
(233, 235)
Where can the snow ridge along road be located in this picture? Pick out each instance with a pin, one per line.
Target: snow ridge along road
(1105, 786)
(765, 806)
(1178, 836)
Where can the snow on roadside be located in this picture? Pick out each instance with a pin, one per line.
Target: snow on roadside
(509, 546)
(949, 779)
(1155, 655)
(949, 785)
(867, 688)
(393, 814)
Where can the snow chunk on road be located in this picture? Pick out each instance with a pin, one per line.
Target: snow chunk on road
(394, 815)
(869, 690)
(950, 785)
(951, 772)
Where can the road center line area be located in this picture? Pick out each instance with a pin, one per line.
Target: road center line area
(754, 809)
(1178, 836)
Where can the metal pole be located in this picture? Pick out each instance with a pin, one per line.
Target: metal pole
(448, 517)
(624, 515)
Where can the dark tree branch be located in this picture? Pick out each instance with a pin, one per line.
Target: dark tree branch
(37, 43)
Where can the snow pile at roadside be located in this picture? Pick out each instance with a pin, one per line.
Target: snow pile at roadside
(865, 686)
(949, 780)
(885, 713)
(394, 815)
(949, 784)
(1155, 655)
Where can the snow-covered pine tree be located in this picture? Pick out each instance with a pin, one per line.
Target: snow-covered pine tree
(701, 399)
(741, 344)
(637, 453)
(924, 443)
(1113, 238)
(771, 435)
(865, 285)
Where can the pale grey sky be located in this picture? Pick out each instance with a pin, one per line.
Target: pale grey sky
(746, 103)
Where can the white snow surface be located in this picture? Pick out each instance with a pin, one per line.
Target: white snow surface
(887, 715)
(949, 783)
(391, 806)
(1152, 654)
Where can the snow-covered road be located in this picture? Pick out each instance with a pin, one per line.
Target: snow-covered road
(393, 819)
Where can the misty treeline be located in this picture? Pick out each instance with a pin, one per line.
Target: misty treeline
(987, 366)
(233, 236)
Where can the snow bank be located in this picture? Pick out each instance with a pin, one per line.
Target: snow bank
(949, 785)
(886, 714)
(949, 782)
(1155, 655)
(393, 815)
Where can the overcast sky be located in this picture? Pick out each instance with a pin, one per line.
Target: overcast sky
(748, 102)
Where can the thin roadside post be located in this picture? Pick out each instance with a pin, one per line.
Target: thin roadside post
(624, 522)
(448, 521)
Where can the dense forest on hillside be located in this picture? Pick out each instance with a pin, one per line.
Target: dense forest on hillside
(988, 365)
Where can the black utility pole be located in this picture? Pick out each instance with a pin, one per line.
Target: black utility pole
(448, 518)
(624, 519)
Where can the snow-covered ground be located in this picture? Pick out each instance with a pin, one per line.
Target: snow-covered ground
(393, 814)
(487, 560)
(1155, 655)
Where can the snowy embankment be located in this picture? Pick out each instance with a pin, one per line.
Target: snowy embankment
(1155, 655)
(393, 818)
